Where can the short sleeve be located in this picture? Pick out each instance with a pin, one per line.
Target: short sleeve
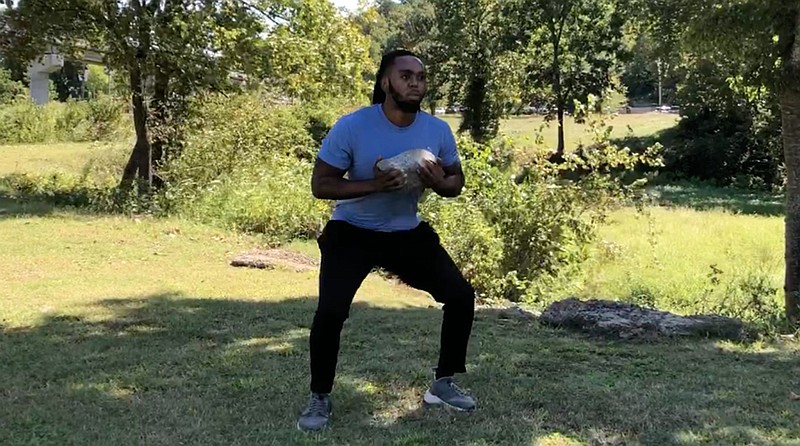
(336, 149)
(449, 152)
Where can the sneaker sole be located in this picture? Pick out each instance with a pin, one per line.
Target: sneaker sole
(431, 400)
(322, 429)
(306, 431)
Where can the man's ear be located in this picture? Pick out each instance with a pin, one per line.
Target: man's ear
(385, 84)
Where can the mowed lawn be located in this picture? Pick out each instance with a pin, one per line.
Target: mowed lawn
(122, 331)
(137, 331)
(525, 130)
(70, 158)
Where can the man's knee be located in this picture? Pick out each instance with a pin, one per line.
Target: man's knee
(330, 318)
(459, 296)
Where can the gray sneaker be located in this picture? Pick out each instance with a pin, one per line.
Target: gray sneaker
(444, 392)
(316, 414)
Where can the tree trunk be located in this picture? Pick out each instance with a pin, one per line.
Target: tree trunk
(138, 165)
(790, 111)
(474, 118)
(159, 117)
(559, 155)
(790, 130)
(560, 149)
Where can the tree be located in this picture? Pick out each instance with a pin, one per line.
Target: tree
(177, 46)
(410, 24)
(573, 48)
(317, 53)
(650, 73)
(763, 38)
(10, 90)
(472, 32)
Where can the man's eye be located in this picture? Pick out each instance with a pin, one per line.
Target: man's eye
(405, 77)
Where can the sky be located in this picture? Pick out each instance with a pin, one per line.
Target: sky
(349, 4)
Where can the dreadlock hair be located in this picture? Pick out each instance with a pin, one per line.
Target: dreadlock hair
(378, 95)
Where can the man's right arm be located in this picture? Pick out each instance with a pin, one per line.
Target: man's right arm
(333, 161)
(328, 183)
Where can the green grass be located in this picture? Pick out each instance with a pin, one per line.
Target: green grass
(524, 129)
(69, 158)
(136, 331)
(668, 256)
(122, 331)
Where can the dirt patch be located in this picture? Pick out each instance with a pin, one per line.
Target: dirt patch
(275, 258)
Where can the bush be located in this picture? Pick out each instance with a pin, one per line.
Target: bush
(320, 116)
(10, 90)
(517, 236)
(60, 189)
(471, 241)
(245, 163)
(730, 131)
(273, 199)
(224, 134)
(25, 122)
(102, 119)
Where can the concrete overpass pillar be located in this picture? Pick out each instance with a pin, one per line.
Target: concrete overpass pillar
(39, 75)
(40, 87)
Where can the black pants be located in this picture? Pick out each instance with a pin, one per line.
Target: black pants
(416, 256)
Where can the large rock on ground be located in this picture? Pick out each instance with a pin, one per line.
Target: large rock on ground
(628, 321)
(272, 258)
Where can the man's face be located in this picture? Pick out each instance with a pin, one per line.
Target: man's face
(405, 83)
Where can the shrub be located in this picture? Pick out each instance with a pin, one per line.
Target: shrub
(245, 163)
(730, 131)
(61, 189)
(470, 240)
(25, 122)
(101, 119)
(10, 90)
(273, 199)
(224, 134)
(529, 231)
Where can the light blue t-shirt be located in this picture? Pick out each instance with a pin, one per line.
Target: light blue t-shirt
(354, 144)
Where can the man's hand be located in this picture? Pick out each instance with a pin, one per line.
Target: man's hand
(431, 174)
(387, 180)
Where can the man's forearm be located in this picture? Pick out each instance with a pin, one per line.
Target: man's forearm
(332, 188)
(450, 186)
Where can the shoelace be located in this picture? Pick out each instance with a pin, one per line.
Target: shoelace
(318, 407)
(456, 388)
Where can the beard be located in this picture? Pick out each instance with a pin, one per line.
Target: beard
(404, 106)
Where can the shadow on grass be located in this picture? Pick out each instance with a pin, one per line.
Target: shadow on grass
(167, 369)
(703, 197)
(11, 207)
(29, 199)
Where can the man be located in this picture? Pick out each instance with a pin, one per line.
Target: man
(375, 223)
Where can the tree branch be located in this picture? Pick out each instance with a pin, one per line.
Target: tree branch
(794, 59)
(269, 16)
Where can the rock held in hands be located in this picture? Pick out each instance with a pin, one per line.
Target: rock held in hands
(408, 162)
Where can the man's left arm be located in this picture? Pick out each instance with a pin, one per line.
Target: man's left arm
(446, 176)
(447, 181)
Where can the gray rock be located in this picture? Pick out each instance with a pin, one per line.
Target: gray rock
(515, 312)
(272, 258)
(628, 321)
(408, 162)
